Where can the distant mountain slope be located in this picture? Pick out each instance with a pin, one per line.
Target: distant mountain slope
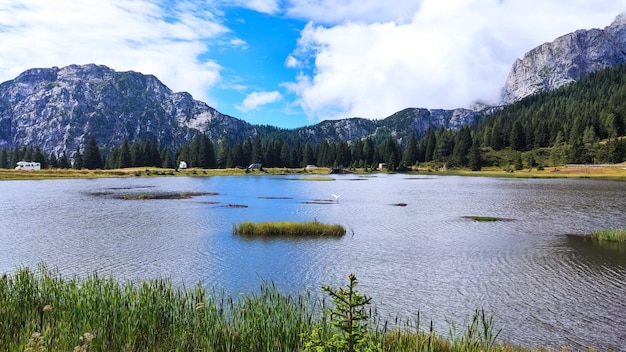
(58, 109)
(566, 59)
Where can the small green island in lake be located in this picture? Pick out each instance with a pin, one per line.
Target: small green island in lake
(286, 228)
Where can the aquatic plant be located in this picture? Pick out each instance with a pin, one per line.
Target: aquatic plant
(609, 235)
(286, 228)
(42, 311)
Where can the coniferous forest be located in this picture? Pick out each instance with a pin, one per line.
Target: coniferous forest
(583, 122)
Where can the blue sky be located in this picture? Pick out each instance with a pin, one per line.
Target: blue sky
(291, 63)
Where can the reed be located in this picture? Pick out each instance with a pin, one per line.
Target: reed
(609, 235)
(42, 311)
(315, 178)
(285, 228)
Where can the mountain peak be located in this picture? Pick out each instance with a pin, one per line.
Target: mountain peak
(58, 109)
(566, 59)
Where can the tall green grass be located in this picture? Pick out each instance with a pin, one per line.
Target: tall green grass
(610, 235)
(42, 311)
(285, 228)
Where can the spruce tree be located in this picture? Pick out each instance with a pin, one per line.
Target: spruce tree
(125, 158)
(409, 155)
(462, 145)
(91, 157)
(54, 162)
(64, 163)
(475, 157)
(78, 159)
(4, 159)
(222, 153)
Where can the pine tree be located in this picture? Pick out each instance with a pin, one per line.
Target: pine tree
(430, 144)
(257, 151)
(91, 158)
(409, 155)
(307, 155)
(462, 145)
(125, 158)
(475, 157)
(4, 159)
(54, 162)
(285, 155)
(64, 163)
(78, 159)
(517, 138)
(222, 153)
(136, 155)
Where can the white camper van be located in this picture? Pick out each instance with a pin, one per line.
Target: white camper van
(28, 165)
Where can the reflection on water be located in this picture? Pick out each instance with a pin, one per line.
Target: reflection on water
(544, 287)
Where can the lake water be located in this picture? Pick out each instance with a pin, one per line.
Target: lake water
(543, 287)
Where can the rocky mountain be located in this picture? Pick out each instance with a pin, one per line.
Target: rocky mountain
(59, 109)
(566, 59)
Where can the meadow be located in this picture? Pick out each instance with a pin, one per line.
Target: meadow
(610, 172)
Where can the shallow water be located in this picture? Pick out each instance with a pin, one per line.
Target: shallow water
(544, 287)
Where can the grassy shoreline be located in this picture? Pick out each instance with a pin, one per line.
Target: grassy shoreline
(613, 172)
(41, 308)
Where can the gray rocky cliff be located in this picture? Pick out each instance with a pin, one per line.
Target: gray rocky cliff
(566, 59)
(59, 109)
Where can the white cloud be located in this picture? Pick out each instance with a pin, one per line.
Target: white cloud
(124, 35)
(291, 61)
(449, 54)
(257, 99)
(263, 6)
(238, 42)
(333, 11)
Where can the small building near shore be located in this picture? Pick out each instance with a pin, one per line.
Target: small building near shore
(182, 165)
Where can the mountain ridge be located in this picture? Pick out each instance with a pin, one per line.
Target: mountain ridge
(58, 109)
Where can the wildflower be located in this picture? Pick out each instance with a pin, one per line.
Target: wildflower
(35, 343)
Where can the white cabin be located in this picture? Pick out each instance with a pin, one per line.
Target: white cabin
(28, 165)
(182, 165)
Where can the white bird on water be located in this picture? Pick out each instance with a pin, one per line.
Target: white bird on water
(336, 197)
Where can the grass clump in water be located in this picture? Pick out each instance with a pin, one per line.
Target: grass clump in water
(484, 218)
(315, 178)
(286, 228)
(609, 235)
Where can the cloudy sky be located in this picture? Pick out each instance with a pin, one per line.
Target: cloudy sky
(291, 63)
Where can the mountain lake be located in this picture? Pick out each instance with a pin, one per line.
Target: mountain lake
(411, 242)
